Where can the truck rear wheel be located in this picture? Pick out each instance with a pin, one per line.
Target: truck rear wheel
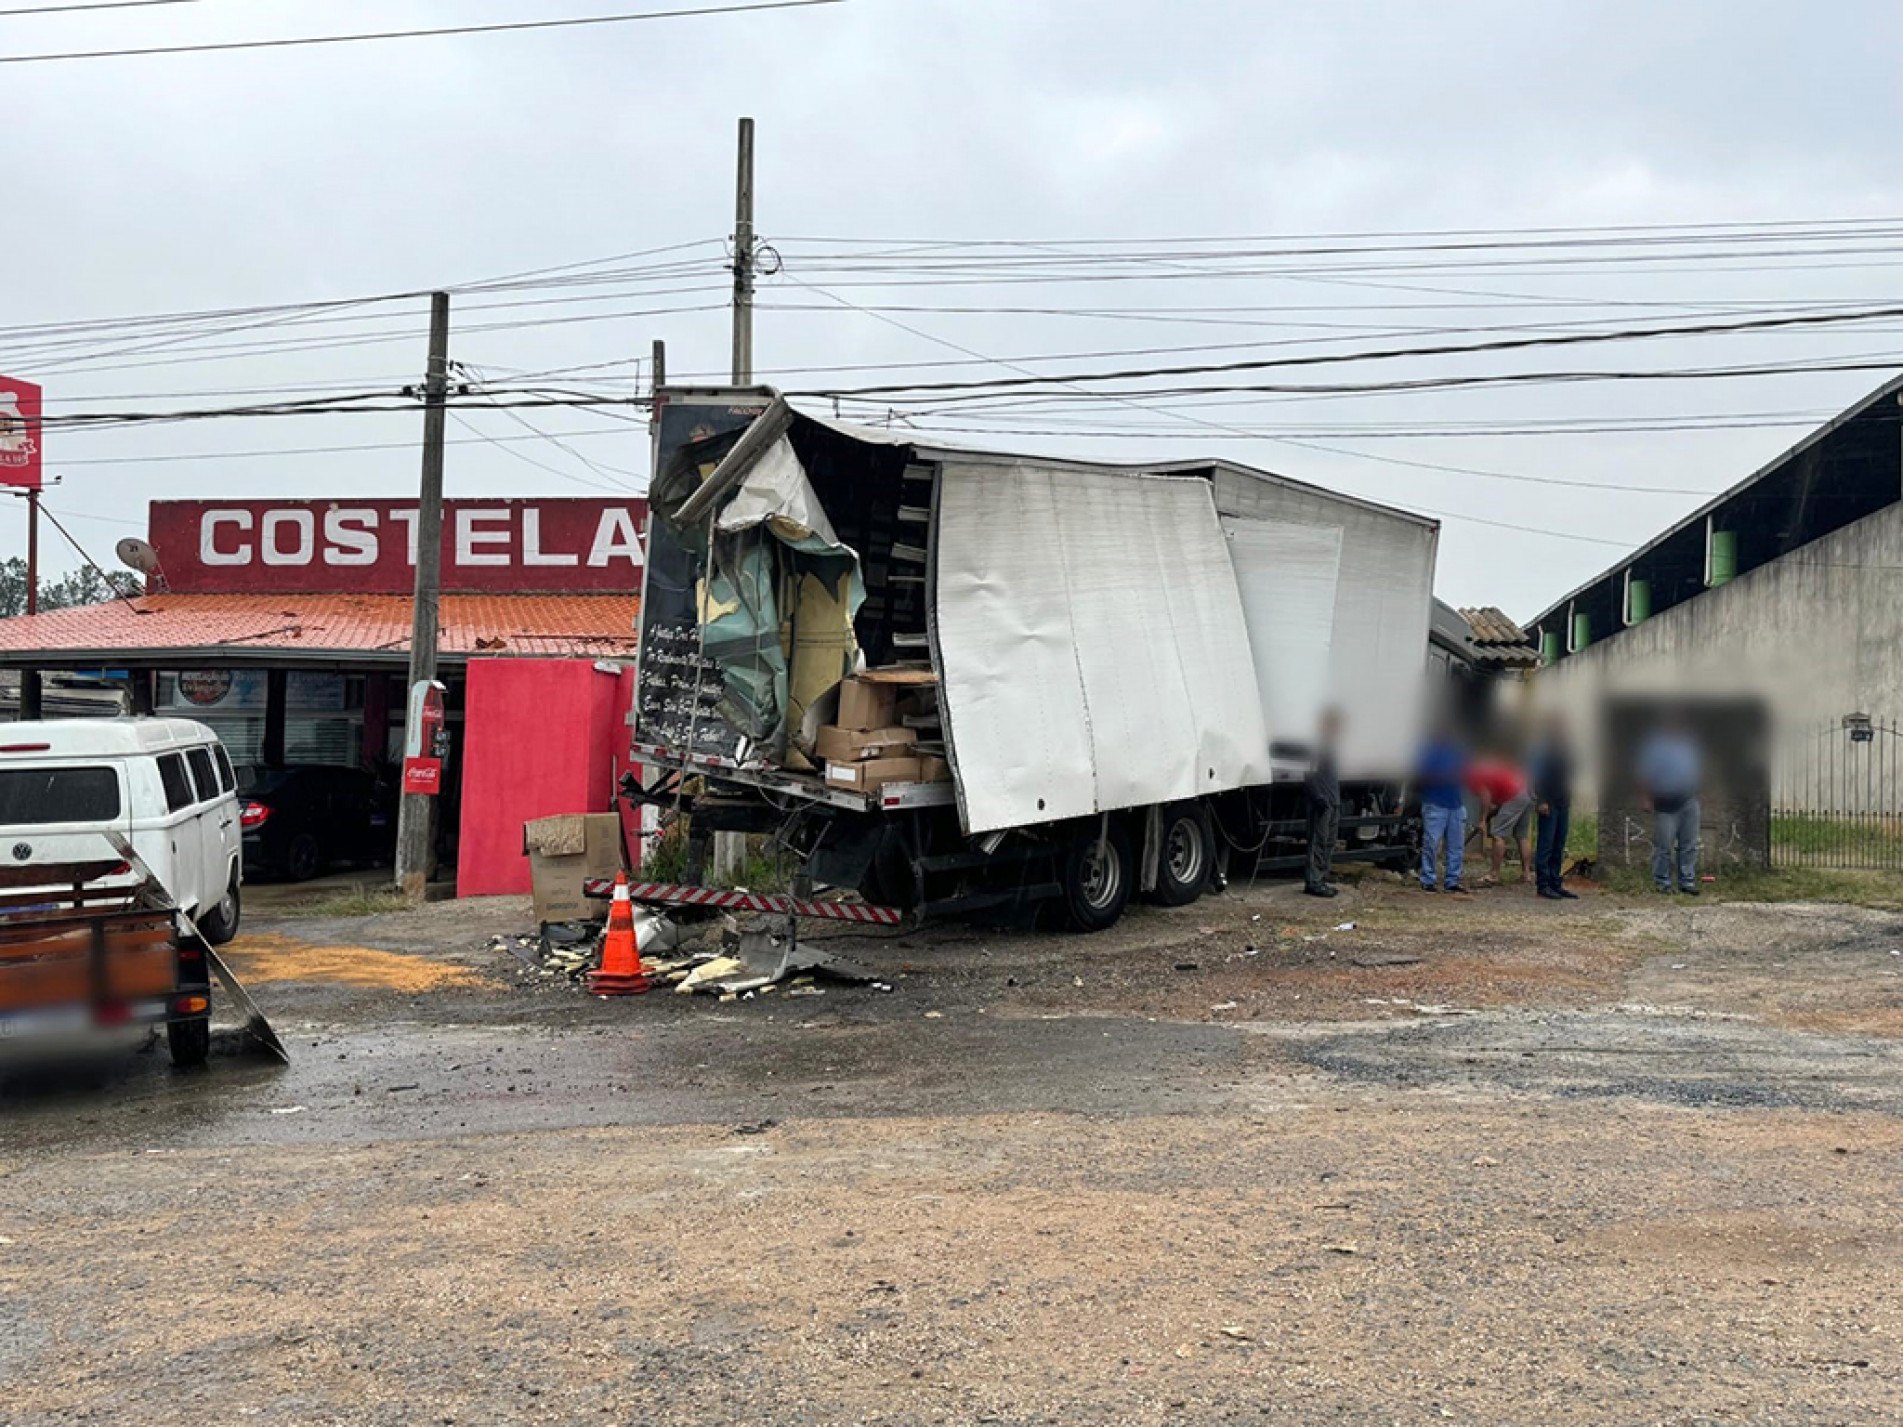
(189, 1042)
(1184, 856)
(1096, 880)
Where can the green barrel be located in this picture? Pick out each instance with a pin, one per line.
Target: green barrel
(1724, 557)
(1549, 647)
(1638, 603)
(1582, 629)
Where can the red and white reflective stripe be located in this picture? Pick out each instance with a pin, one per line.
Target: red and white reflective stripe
(676, 895)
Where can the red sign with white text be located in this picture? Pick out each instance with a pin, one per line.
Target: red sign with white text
(556, 546)
(19, 434)
(423, 776)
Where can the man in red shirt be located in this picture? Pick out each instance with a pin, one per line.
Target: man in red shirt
(1506, 811)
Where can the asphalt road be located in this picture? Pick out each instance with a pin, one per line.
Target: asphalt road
(1495, 1162)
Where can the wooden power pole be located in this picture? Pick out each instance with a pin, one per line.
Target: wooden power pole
(31, 706)
(416, 816)
(730, 848)
(743, 261)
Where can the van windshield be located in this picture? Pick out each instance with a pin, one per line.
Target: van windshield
(30, 797)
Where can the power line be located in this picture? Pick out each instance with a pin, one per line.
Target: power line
(530, 460)
(511, 27)
(1506, 344)
(111, 582)
(1747, 225)
(92, 5)
(1355, 455)
(318, 450)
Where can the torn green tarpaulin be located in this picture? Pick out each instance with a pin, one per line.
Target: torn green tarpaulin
(772, 535)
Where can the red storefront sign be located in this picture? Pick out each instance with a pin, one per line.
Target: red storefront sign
(556, 546)
(19, 434)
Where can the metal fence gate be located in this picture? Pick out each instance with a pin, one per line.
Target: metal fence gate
(1837, 796)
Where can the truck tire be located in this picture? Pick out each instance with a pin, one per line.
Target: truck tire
(1185, 855)
(1097, 874)
(220, 924)
(189, 1042)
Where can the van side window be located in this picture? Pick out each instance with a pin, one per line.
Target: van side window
(31, 797)
(227, 780)
(178, 783)
(202, 774)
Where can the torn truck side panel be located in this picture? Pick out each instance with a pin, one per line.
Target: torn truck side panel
(1092, 650)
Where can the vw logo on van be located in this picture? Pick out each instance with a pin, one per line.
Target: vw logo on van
(22, 851)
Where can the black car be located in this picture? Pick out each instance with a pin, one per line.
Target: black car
(301, 819)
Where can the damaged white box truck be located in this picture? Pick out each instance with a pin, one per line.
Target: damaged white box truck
(953, 680)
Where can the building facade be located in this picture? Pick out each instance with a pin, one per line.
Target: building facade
(1786, 590)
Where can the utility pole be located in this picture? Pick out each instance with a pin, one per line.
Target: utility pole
(730, 848)
(31, 706)
(743, 261)
(416, 816)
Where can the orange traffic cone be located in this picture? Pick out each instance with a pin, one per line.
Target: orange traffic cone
(620, 973)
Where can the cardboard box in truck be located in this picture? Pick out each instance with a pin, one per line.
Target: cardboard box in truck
(846, 745)
(873, 775)
(864, 705)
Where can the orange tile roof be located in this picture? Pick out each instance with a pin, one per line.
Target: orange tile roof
(323, 625)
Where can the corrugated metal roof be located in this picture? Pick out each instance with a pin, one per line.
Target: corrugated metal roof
(1891, 388)
(1497, 638)
(256, 624)
(1490, 625)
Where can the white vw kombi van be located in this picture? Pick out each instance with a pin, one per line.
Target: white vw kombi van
(164, 783)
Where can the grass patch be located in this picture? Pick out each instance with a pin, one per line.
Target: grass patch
(1582, 835)
(666, 861)
(1808, 835)
(361, 900)
(1778, 884)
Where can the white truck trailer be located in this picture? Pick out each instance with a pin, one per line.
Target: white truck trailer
(1107, 678)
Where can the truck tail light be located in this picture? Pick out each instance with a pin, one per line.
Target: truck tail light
(253, 815)
(190, 1005)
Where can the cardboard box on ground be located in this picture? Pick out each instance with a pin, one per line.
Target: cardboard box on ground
(564, 851)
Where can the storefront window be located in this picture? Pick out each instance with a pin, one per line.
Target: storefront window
(323, 712)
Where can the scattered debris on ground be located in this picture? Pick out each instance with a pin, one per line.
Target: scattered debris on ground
(731, 962)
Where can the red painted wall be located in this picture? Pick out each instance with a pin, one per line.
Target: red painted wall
(541, 737)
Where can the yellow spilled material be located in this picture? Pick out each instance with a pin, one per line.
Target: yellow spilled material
(270, 956)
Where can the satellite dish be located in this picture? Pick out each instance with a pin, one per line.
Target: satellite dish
(137, 554)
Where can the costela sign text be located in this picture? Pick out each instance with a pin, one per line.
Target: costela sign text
(370, 546)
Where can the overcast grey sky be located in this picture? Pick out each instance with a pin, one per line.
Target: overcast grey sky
(185, 183)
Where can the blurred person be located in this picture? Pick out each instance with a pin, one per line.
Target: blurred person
(1321, 790)
(1441, 774)
(1550, 778)
(1506, 813)
(1669, 770)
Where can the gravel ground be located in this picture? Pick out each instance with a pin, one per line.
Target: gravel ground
(1490, 1161)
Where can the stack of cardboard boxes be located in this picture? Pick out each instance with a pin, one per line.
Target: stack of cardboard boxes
(869, 746)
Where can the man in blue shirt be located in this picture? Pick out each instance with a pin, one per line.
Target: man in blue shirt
(1668, 789)
(1550, 776)
(1441, 775)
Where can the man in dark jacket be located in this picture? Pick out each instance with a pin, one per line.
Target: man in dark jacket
(1550, 776)
(1322, 790)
